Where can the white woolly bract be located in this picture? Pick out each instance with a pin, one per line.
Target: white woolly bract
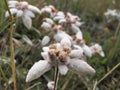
(29, 13)
(60, 13)
(45, 49)
(60, 35)
(77, 23)
(34, 9)
(12, 2)
(38, 69)
(19, 13)
(76, 53)
(45, 40)
(62, 21)
(13, 11)
(27, 21)
(65, 42)
(48, 20)
(75, 28)
(50, 85)
(57, 18)
(79, 35)
(63, 69)
(87, 51)
(46, 26)
(45, 55)
(80, 67)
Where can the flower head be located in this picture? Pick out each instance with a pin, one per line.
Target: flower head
(62, 56)
(24, 10)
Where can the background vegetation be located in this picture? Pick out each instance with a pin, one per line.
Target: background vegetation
(28, 47)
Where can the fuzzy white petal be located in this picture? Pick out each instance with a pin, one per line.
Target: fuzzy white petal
(12, 2)
(60, 35)
(75, 28)
(19, 13)
(79, 35)
(45, 55)
(34, 9)
(38, 69)
(77, 23)
(46, 26)
(65, 42)
(29, 13)
(48, 20)
(11, 6)
(45, 49)
(45, 40)
(76, 53)
(63, 69)
(57, 18)
(62, 21)
(102, 54)
(87, 51)
(60, 13)
(80, 67)
(27, 21)
(12, 10)
(77, 47)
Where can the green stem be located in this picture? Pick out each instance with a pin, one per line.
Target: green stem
(106, 75)
(12, 28)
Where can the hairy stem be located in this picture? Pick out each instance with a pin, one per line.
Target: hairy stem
(12, 28)
(56, 78)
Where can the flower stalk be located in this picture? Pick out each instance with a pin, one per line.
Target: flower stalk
(12, 28)
(56, 77)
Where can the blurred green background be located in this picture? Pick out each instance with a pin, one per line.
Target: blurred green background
(97, 28)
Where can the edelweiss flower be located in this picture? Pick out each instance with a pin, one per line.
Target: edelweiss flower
(58, 55)
(24, 10)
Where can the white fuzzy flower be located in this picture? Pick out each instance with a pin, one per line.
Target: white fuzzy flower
(45, 40)
(80, 67)
(24, 10)
(38, 69)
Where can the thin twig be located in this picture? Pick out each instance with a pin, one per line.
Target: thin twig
(12, 28)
